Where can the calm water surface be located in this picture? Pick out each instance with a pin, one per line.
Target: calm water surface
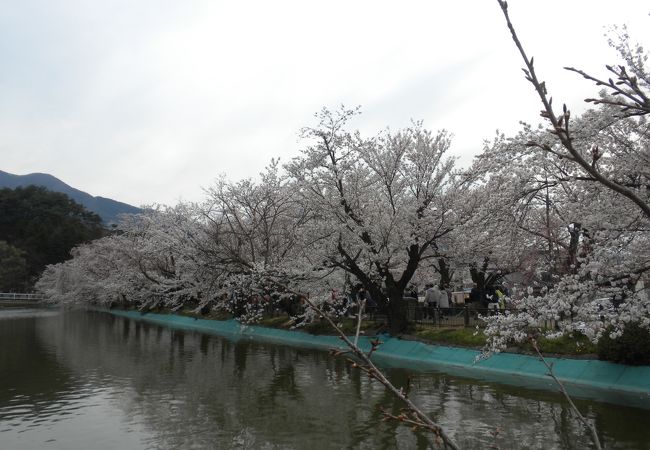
(82, 380)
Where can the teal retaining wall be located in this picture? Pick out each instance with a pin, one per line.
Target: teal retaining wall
(594, 379)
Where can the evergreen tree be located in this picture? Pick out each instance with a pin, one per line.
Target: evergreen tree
(44, 226)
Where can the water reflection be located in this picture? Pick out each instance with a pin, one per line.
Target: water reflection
(30, 374)
(91, 380)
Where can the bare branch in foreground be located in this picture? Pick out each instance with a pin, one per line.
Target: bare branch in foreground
(560, 125)
(361, 307)
(589, 425)
(415, 415)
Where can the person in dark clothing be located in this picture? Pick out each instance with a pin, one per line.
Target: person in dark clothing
(492, 298)
(412, 292)
(491, 295)
(477, 297)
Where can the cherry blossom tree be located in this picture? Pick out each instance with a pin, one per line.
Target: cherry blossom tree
(595, 168)
(252, 230)
(151, 262)
(380, 205)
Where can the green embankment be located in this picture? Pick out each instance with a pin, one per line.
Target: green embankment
(600, 380)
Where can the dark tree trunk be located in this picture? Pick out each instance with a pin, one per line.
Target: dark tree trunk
(478, 274)
(572, 257)
(392, 304)
(445, 274)
(397, 315)
(391, 301)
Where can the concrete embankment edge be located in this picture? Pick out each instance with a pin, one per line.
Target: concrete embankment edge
(586, 378)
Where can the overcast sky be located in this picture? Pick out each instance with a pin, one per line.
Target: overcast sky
(149, 101)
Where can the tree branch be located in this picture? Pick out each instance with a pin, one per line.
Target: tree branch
(561, 123)
(590, 426)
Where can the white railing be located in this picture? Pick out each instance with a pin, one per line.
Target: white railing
(23, 297)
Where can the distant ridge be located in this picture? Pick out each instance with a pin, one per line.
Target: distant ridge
(105, 208)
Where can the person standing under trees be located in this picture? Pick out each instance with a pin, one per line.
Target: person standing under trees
(477, 297)
(412, 292)
(492, 297)
(430, 300)
(370, 304)
(443, 300)
(501, 297)
(435, 298)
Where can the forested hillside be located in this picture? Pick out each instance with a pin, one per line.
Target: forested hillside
(39, 227)
(109, 210)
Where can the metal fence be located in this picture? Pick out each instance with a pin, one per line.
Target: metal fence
(21, 297)
(456, 316)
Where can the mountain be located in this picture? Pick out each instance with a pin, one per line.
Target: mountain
(106, 208)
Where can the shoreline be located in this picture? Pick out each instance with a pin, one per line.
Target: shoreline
(588, 378)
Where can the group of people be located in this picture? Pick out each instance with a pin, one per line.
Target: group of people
(347, 303)
(434, 297)
(492, 297)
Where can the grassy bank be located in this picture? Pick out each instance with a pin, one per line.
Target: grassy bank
(322, 327)
(576, 345)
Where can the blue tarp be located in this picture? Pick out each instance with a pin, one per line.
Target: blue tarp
(589, 378)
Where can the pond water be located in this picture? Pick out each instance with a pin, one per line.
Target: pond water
(87, 380)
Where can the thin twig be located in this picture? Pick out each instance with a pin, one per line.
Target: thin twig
(590, 426)
(374, 372)
(560, 124)
(361, 306)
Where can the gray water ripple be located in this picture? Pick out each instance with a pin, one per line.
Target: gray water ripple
(88, 380)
